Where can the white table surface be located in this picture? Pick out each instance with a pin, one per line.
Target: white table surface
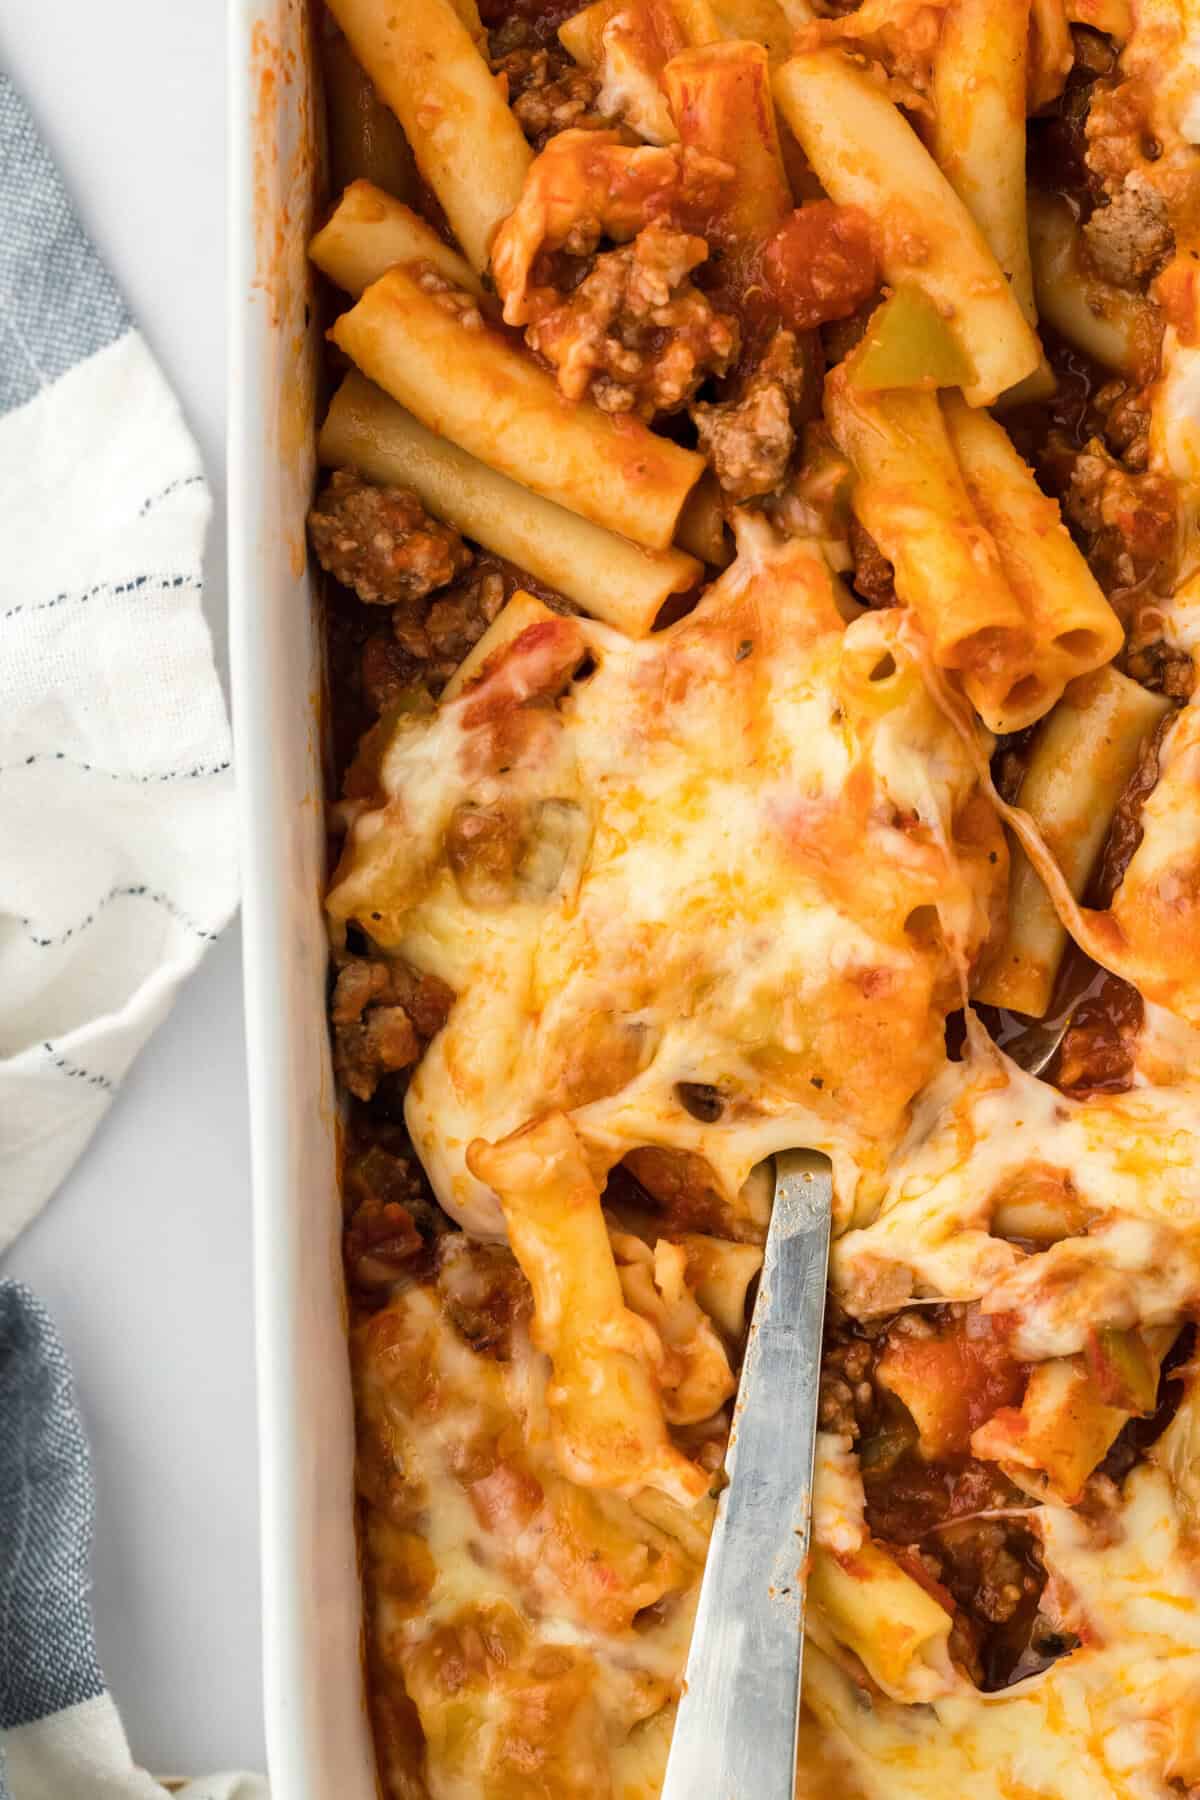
(144, 1255)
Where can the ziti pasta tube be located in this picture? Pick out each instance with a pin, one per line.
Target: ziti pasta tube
(475, 387)
(1069, 1418)
(911, 497)
(867, 155)
(720, 97)
(1082, 758)
(898, 1632)
(366, 141)
(1075, 628)
(979, 81)
(771, 23)
(980, 90)
(368, 232)
(424, 61)
(1114, 327)
(627, 43)
(666, 26)
(607, 576)
(605, 1410)
(1051, 52)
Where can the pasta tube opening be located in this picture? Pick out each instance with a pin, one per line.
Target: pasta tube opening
(473, 386)
(606, 575)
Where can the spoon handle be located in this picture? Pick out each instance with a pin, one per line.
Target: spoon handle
(735, 1735)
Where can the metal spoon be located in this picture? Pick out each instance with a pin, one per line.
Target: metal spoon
(735, 1736)
(1037, 1047)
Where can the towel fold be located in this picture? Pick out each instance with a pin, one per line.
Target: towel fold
(117, 858)
(60, 1737)
(117, 870)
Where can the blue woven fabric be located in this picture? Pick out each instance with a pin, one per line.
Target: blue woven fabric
(47, 1652)
(58, 303)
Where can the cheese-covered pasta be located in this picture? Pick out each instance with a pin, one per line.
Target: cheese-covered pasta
(762, 532)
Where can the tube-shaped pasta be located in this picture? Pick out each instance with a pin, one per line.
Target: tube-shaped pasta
(1113, 17)
(1061, 1430)
(911, 497)
(428, 67)
(366, 142)
(521, 611)
(468, 12)
(1075, 627)
(607, 1418)
(627, 43)
(767, 22)
(722, 1273)
(1115, 327)
(1051, 52)
(1065, 1423)
(476, 388)
(720, 97)
(515, 618)
(1082, 758)
(701, 529)
(668, 25)
(867, 155)
(606, 575)
(979, 126)
(898, 1631)
(368, 232)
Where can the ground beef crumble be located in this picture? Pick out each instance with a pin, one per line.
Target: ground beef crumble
(1160, 667)
(549, 92)
(1096, 144)
(484, 1292)
(392, 1219)
(383, 1015)
(635, 332)
(464, 308)
(1129, 238)
(1122, 414)
(932, 1517)
(410, 659)
(1100, 1044)
(437, 639)
(848, 1399)
(381, 542)
(1127, 520)
(874, 578)
(982, 1571)
(427, 642)
(749, 437)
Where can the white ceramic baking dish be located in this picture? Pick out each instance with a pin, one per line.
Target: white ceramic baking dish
(317, 1735)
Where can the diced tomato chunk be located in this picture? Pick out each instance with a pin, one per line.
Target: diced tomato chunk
(951, 1380)
(820, 264)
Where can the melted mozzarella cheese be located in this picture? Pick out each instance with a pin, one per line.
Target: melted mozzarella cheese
(838, 1499)
(767, 894)
(763, 890)
(517, 1558)
(1128, 1166)
(1110, 1719)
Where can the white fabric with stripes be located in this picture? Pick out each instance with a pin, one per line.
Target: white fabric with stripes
(117, 857)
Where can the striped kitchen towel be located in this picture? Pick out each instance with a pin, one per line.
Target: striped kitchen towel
(60, 1737)
(117, 860)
